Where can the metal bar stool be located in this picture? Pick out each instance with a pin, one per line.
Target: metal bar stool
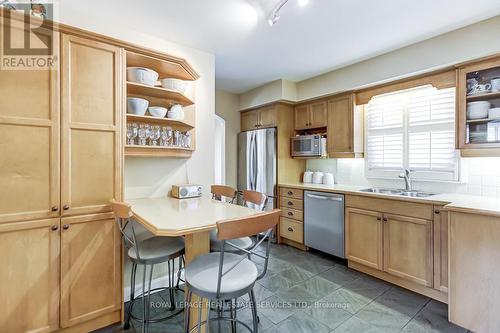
(148, 252)
(222, 276)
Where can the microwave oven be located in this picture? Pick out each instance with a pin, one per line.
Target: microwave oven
(308, 146)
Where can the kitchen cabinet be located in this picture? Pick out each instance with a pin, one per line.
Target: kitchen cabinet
(29, 276)
(264, 117)
(441, 220)
(363, 235)
(90, 261)
(312, 115)
(291, 226)
(340, 128)
(408, 248)
(29, 136)
(478, 82)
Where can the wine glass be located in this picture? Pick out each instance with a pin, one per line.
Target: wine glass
(164, 136)
(142, 134)
(130, 134)
(155, 135)
(134, 132)
(170, 135)
(149, 133)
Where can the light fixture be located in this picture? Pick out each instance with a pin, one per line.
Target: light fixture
(274, 17)
(303, 3)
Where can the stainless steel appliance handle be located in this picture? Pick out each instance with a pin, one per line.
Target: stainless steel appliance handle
(324, 198)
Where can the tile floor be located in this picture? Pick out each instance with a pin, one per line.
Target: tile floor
(306, 292)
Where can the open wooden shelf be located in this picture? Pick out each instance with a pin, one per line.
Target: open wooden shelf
(145, 91)
(157, 151)
(159, 121)
(488, 95)
(164, 68)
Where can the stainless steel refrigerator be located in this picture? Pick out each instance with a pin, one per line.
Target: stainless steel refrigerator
(257, 163)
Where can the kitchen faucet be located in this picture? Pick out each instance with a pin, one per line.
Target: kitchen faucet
(407, 177)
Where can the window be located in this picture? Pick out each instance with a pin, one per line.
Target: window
(413, 129)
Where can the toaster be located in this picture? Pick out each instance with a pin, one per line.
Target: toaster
(186, 191)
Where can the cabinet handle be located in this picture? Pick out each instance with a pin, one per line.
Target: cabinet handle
(437, 211)
(54, 227)
(378, 218)
(290, 214)
(54, 209)
(66, 207)
(66, 226)
(290, 203)
(384, 219)
(290, 192)
(290, 229)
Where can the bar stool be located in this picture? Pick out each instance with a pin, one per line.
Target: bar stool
(148, 252)
(222, 276)
(257, 199)
(227, 193)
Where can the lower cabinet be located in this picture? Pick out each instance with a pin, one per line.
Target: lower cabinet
(90, 265)
(29, 275)
(58, 273)
(363, 230)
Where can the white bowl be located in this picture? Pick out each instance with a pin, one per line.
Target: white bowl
(137, 106)
(494, 113)
(478, 110)
(142, 75)
(174, 84)
(157, 111)
(176, 112)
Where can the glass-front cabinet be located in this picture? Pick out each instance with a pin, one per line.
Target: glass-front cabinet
(479, 107)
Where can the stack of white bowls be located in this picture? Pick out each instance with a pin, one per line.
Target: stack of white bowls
(478, 110)
(174, 84)
(176, 112)
(142, 75)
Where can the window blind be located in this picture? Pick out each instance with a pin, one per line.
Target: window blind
(413, 129)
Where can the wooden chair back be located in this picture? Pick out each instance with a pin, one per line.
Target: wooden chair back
(247, 226)
(220, 191)
(256, 198)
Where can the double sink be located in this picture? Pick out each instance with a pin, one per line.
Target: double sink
(403, 193)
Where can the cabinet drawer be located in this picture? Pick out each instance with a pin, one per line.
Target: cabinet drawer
(292, 193)
(291, 203)
(291, 230)
(397, 207)
(292, 213)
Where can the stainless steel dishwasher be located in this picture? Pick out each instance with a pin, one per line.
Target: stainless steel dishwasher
(324, 222)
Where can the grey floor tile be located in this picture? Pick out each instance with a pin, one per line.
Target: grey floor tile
(261, 293)
(402, 301)
(274, 329)
(276, 265)
(298, 296)
(433, 318)
(275, 309)
(356, 325)
(384, 318)
(245, 315)
(315, 264)
(319, 286)
(327, 313)
(275, 282)
(340, 275)
(296, 275)
(347, 300)
(302, 323)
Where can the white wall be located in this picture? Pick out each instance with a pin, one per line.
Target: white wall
(270, 92)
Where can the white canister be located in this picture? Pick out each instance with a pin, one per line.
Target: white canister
(318, 177)
(308, 177)
(328, 178)
(495, 84)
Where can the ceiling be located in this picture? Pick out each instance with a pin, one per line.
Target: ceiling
(307, 41)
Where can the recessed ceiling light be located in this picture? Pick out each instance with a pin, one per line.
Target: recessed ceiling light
(303, 3)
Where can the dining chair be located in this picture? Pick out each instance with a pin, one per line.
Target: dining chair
(226, 276)
(148, 253)
(258, 199)
(228, 193)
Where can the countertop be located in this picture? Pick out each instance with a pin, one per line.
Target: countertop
(451, 201)
(169, 216)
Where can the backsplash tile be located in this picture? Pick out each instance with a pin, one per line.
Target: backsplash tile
(479, 176)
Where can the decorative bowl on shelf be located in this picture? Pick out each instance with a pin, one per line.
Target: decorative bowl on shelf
(478, 110)
(176, 112)
(137, 106)
(174, 84)
(142, 75)
(157, 111)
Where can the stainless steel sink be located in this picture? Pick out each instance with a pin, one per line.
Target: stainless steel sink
(404, 193)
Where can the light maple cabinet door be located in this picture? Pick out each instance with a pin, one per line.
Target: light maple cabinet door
(408, 248)
(302, 117)
(91, 125)
(363, 237)
(340, 129)
(29, 142)
(29, 275)
(441, 218)
(318, 114)
(249, 120)
(90, 267)
(268, 117)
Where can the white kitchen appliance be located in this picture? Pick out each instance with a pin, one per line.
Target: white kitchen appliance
(308, 146)
(308, 177)
(318, 177)
(186, 191)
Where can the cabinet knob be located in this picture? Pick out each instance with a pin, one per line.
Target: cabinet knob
(54, 227)
(290, 192)
(290, 203)
(379, 218)
(54, 209)
(290, 214)
(384, 219)
(66, 207)
(437, 211)
(290, 229)
(66, 226)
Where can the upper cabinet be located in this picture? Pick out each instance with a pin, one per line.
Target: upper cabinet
(478, 116)
(91, 125)
(345, 127)
(311, 115)
(260, 118)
